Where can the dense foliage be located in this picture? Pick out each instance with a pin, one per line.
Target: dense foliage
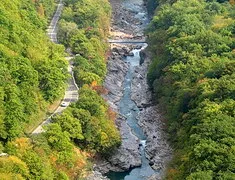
(49, 156)
(88, 123)
(32, 74)
(193, 75)
(83, 28)
(32, 69)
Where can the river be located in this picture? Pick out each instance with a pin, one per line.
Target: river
(144, 150)
(129, 109)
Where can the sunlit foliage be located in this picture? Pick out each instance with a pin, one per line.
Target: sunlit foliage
(192, 73)
(32, 69)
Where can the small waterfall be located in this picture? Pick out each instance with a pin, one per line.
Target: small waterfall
(143, 143)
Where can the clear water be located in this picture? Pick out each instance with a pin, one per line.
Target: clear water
(129, 109)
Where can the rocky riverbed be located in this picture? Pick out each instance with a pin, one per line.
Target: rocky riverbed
(129, 20)
(117, 70)
(127, 155)
(96, 175)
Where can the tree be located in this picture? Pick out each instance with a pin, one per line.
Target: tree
(201, 175)
(58, 139)
(69, 124)
(13, 166)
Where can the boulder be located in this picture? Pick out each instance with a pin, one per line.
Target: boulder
(117, 70)
(142, 57)
(95, 175)
(130, 54)
(126, 156)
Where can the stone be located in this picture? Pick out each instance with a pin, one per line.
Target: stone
(95, 175)
(142, 57)
(117, 70)
(130, 54)
(115, 54)
(155, 177)
(115, 50)
(127, 155)
(138, 47)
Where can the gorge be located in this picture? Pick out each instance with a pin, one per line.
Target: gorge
(106, 89)
(145, 151)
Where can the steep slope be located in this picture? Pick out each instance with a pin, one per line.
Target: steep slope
(192, 73)
(33, 70)
(32, 66)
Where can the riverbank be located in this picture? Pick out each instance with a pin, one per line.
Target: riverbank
(151, 120)
(127, 155)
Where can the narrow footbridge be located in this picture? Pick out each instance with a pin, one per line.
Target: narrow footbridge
(127, 41)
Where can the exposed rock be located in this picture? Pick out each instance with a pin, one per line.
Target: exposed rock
(151, 163)
(128, 17)
(126, 49)
(130, 54)
(155, 177)
(115, 49)
(117, 70)
(138, 47)
(140, 91)
(142, 57)
(150, 119)
(128, 22)
(157, 148)
(126, 156)
(95, 175)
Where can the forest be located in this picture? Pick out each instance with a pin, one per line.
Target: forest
(33, 70)
(192, 45)
(192, 75)
(33, 75)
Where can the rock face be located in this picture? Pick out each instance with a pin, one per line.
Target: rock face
(117, 70)
(128, 18)
(155, 177)
(140, 92)
(126, 156)
(142, 57)
(157, 148)
(95, 175)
